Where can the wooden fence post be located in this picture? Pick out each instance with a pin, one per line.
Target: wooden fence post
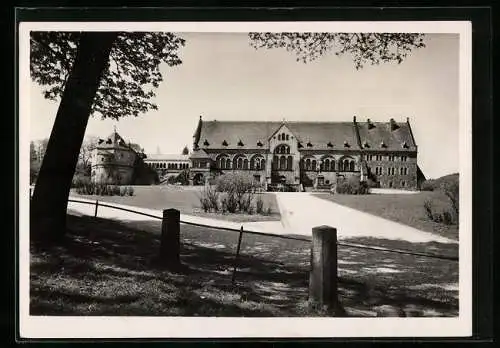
(170, 238)
(96, 206)
(323, 276)
(237, 255)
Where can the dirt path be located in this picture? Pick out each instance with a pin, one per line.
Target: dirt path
(300, 212)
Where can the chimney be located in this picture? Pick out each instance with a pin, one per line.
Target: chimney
(354, 119)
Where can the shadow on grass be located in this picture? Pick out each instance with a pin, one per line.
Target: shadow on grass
(106, 267)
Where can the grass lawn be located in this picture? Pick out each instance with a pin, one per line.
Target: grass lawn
(106, 267)
(407, 209)
(186, 200)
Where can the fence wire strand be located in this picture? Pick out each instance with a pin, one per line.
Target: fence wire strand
(302, 239)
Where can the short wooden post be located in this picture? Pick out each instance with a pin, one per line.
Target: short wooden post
(323, 275)
(170, 238)
(96, 206)
(238, 248)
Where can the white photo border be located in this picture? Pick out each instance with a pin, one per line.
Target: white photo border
(211, 327)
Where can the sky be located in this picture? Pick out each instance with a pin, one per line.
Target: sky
(222, 77)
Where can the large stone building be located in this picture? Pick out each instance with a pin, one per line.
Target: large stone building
(113, 161)
(307, 154)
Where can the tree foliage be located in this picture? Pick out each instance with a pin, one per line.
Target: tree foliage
(364, 48)
(131, 76)
(185, 150)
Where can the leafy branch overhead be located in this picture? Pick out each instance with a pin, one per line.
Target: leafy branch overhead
(128, 85)
(364, 48)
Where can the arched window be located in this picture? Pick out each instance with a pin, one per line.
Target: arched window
(262, 164)
(282, 149)
(282, 162)
(245, 164)
(351, 166)
(287, 137)
(275, 163)
(313, 164)
(326, 165)
(332, 165)
(239, 163)
(308, 164)
(256, 162)
(289, 162)
(228, 163)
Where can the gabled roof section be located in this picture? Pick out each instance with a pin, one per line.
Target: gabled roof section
(319, 134)
(390, 136)
(114, 140)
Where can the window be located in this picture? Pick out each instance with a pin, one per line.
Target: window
(287, 137)
(403, 183)
(282, 163)
(401, 171)
(351, 166)
(308, 164)
(313, 164)
(403, 158)
(390, 184)
(245, 164)
(289, 163)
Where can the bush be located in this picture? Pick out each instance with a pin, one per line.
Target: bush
(428, 185)
(352, 186)
(123, 190)
(451, 190)
(245, 202)
(428, 210)
(209, 199)
(229, 203)
(130, 191)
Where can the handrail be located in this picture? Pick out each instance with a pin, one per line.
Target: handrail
(345, 244)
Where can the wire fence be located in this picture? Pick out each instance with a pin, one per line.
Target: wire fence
(241, 231)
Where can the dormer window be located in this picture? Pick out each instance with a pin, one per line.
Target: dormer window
(224, 143)
(309, 144)
(329, 144)
(259, 144)
(206, 143)
(240, 143)
(346, 144)
(366, 145)
(404, 145)
(299, 145)
(100, 141)
(382, 144)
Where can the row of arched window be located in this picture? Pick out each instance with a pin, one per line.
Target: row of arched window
(165, 165)
(284, 149)
(283, 136)
(329, 165)
(257, 162)
(282, 162)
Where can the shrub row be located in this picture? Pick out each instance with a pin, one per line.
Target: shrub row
(104, 190)
(233, 192)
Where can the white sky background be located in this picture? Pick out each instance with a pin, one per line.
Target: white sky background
(222, 77)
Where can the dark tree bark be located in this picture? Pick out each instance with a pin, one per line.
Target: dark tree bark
(50, 198)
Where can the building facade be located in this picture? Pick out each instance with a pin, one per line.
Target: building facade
(167, 164)
(113, 161)
(307, 154)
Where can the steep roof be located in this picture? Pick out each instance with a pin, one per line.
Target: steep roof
(395, 136)
(199, 154)
(114, 140)
(247, 134)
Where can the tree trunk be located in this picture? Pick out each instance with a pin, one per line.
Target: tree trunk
(50, 198)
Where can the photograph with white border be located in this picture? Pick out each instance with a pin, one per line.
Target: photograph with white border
(245, 179)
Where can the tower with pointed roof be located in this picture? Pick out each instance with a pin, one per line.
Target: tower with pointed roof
(113, 161)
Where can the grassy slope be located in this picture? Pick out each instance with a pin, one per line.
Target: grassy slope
(407, 209)
(108, 268)
(186, 200)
